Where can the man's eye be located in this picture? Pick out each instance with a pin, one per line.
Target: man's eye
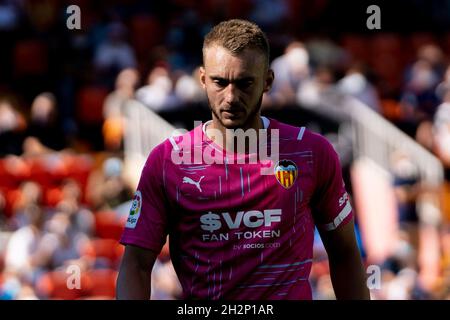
(244, 84)
(221, 83)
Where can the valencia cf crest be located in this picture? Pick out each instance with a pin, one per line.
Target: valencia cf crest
(286, 172)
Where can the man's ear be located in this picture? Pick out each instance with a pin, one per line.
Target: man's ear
(270, 77)
(202, 77)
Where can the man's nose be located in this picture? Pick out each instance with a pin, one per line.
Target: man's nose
(231, 94)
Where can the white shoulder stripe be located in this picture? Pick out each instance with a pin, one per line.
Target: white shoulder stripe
(301, 132)
(174, 144)
(266, 122)
(340, 217)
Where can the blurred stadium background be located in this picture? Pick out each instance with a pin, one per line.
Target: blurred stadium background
(81, 109)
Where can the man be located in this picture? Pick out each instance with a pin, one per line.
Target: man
(236, 233)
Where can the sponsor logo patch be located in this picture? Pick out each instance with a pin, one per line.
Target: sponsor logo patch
(135, 210)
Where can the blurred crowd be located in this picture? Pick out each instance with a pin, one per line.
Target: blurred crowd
(63, 94)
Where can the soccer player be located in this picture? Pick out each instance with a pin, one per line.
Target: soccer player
(235, 233)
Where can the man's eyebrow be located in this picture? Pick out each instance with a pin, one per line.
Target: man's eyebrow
(244, 78)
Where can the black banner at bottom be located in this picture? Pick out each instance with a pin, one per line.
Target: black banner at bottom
(267, 310)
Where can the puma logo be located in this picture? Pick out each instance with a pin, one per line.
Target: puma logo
(190, 181)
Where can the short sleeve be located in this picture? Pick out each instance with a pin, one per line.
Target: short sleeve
(330, 204)
(147, 222)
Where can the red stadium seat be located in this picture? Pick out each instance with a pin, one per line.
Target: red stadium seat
(386, 43)
(30, 58)
(5, 181)
(90, 105)
(387, 60)
(446, 43)
(80, 168)
(49, 170)
(12, 197)
(103, 283)
(145, 32)
(53, 285)
(357, 46)
(320, 268)
(99, 284)
(205, 8)
(186, 4)
(53, 196)
(238, 8)
(13, 171)
(39, 173)
(108, 249)
(108, 225)
(296, 12)
(419, 39)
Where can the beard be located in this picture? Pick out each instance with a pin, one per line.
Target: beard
(250, 117)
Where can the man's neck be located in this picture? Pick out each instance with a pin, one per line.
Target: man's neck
(227, 142)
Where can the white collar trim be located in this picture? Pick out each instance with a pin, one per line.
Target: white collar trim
(266, 123)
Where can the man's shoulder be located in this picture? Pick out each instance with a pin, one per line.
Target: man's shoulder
(179, 141)
(300, 134)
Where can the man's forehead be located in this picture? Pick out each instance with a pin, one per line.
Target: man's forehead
(218, 57)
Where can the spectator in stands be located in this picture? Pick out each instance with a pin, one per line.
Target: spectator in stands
(81, 217)
(402, 285)
(399, 270)
(12, 128)
(188, 89)
(32, 147)
(114, 108)
(157, 93)
(165, 284)
(106, 187)
(67, 237)
(324, 288)
(419, 100)
(291, 69)
(406, 189)
(26, 254)
(355, 84)
(311, 90)
(44, 239)
(444, 85)
(30, 194)
(9, 15)
(278, 12)
(125, 87)
(14, 287)
(45, 124)
(441, 122)
(434, 56)
(114, 53)
(324, 52)
(70, 197)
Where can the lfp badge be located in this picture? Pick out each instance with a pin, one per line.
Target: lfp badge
(286, 172)
(135, 210)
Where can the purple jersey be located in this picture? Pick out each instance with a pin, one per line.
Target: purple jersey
(233, 232)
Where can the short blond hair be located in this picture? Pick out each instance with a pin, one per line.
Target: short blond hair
(236, 35)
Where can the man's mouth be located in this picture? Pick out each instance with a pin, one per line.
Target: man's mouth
(231, 113)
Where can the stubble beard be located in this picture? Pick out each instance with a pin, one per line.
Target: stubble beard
(248, 121)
